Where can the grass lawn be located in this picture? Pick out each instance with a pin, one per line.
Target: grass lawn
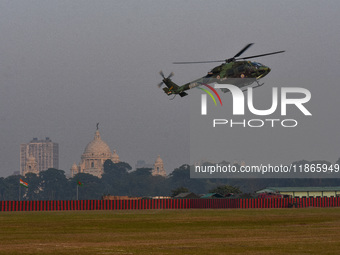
(210, 231)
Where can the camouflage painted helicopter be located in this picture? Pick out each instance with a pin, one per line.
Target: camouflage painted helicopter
(239, 73)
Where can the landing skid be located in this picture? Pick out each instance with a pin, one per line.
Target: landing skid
(258, 85)
(173, 97)
(182, 94)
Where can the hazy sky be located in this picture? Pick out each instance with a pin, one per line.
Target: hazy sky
(66, 65)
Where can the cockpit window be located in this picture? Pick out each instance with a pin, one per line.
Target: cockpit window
(257, 65)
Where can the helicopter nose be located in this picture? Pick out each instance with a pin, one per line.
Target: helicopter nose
(265, 70)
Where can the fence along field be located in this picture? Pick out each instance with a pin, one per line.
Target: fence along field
(141, 204)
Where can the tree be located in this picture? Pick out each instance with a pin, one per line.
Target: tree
(92, 187)
(117, 169)
(33, 190)
(225, 190)
(2, 188)
(11, 188)
(108, 166)
(180, 177)
(54, 185)
(115, 178)
(139, 182)
(159, 185)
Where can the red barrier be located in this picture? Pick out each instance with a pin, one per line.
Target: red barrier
(167, 204)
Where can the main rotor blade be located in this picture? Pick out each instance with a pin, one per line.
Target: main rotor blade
(199, 62)
(243, 50)
(162, 74)
(170, 75)
(256, 56)
(234, 58)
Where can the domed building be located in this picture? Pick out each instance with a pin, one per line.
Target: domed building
(158, 167)
(31, 166)
(115, 157)
(95, 154)
(74, 169)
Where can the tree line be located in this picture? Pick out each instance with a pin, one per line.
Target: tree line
(119, 180)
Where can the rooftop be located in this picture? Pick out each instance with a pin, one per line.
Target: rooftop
(296, 189)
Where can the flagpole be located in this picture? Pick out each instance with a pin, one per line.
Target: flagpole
(77, 191)
(19, 191)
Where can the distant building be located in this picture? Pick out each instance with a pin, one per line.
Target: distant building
(109, 197)
(303, 191)
(143, 164)
(187, 195)
(158, 167)
(38, 155)
(212, 195)
(240, 163)
(31, 166)
(95, 154)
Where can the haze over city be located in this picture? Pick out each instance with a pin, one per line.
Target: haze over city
(67, 65)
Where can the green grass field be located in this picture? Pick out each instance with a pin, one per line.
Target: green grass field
(223, 231)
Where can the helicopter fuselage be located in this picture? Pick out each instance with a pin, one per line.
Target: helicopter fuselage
(239, 73)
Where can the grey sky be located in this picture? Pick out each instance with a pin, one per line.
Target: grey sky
(66, 65)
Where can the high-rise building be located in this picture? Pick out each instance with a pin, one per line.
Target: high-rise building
(38, 155)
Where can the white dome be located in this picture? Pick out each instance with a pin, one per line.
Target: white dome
(97, 147)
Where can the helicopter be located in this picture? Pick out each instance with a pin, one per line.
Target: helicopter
(236, 71)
